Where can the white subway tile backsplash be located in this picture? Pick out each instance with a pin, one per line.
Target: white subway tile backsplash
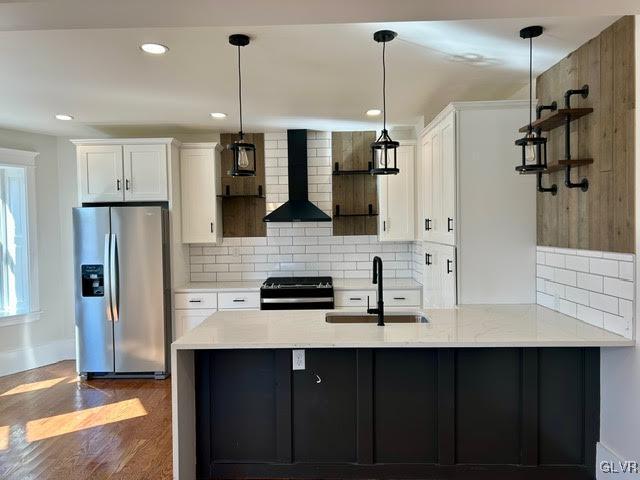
(619, 288)
(590, 282)
(603, 267)
(602, 302)
(595, 287)
(590, 315)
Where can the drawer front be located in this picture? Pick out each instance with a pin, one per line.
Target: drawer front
(353, 298)
(236, 300)
(402, 298)
(196, 300)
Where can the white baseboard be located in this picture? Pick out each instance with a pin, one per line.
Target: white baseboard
(610, 465)
(14, 361)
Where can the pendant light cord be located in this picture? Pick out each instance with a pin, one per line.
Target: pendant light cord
(240, 92)
(384, 88)
(530, 83)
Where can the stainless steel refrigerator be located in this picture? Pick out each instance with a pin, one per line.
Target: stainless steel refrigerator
(123, 289)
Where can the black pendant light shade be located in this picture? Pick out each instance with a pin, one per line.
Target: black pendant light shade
(533, 145)
(244, 153)
(384, 151)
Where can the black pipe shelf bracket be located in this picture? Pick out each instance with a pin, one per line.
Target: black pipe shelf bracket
(584, 183)
(370, 213)
(228, 194)
(337, 171)
(553, 189)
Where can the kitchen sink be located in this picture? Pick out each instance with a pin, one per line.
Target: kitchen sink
(366, 318)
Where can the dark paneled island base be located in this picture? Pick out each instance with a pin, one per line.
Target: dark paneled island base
(441, 413)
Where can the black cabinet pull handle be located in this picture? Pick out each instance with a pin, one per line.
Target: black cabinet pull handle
(126, 184)
(384, 226)
(399, 298)
(449, 263)
(355, 298)
(427, 224)
(195, 301)
(211, 227)
(449, 224)
(427, 258)
(238, 299)
(118, 184)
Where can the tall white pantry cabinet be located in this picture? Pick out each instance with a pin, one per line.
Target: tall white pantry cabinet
(475, 214)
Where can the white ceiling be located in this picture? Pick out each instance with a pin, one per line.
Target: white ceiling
(311, 76)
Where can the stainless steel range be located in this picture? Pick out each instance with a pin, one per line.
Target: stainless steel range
(297, 293)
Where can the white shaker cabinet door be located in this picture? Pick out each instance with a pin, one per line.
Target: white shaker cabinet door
(145, 173)
(396, 198)
(201, 218)
(447, 222)
(439, 276)
(100, 173)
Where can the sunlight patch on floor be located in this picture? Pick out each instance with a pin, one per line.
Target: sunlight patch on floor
(4, 437)
(81, 420)
(31, 387)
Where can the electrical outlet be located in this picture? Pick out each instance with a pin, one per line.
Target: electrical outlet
(298, 360)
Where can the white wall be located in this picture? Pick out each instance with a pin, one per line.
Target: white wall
(620, 367)
(50, 338)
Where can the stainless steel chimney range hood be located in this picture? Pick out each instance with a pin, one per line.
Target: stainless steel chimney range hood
(298, 208)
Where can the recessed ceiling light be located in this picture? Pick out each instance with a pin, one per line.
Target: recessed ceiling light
(374, 112)
(218, 115)
(64, 116)
(154, 48)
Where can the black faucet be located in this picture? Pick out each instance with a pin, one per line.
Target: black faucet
(377, 279)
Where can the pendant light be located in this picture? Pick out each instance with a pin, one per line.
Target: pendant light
(384, 150)
(244, 153)
(533, 146)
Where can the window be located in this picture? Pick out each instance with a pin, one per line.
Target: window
(18, 273)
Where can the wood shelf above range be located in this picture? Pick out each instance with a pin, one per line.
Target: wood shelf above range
(557, 119)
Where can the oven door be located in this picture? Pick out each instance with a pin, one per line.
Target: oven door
(294, 299)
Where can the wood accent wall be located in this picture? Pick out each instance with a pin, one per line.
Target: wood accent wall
(603, 217)
(242, 216)
(353, 193)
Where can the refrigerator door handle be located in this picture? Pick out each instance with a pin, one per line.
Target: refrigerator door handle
(113, 277)
(107, 276)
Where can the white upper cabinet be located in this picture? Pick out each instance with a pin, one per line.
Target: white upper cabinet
(439, 181)
(200, 186)
(145, 173)
(100, 173)
(115, 171)
(396, 198)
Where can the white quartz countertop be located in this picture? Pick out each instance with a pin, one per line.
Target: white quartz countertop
(463, 326)
(338, 284)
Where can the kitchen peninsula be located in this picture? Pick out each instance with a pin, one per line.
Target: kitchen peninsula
(491, 391)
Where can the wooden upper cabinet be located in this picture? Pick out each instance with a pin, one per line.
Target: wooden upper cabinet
(396, 198)
(100, 173)
(145, 173)
(200, 187)
(114, 171)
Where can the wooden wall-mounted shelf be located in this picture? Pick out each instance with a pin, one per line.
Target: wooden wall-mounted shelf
(557, 119)
(562, 164)
(243, 203)
(354, 188)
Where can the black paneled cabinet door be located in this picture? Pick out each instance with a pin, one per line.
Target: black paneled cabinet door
(324, 399)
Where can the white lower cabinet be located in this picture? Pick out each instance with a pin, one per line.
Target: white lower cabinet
(189, 319)
(357, 299)
(439, 276)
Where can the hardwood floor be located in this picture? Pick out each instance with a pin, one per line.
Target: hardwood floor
(55, 426)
